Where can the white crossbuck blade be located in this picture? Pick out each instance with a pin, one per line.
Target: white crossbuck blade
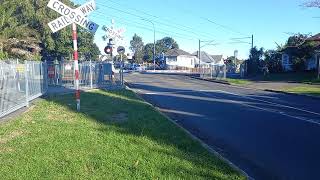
(70, 16)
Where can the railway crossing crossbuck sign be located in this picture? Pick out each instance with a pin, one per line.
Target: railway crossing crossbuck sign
(73, 16)
(70, 16)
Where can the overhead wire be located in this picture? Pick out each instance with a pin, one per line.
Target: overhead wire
(139, 23)
(157, 22)
(143, 26)
(165, 19)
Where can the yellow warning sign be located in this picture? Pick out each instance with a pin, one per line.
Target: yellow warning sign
(20, 68)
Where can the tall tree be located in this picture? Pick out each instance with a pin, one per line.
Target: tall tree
(23, 26)
(255, 58)
(165, 44)
(312, 3)
(136, 46)
(296, 39)
(162, 46)
(273, 60)
(148, 52)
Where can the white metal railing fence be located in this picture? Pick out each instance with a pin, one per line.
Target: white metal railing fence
(91, 74)
(213, 72)
(20, 84)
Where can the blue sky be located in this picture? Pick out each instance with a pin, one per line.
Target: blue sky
(269, 21)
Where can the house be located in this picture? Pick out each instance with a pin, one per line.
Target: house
(207, 60)
(179, 59)
(218, 59)
(310, 64)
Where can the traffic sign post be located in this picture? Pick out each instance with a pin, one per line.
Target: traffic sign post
(121, 50)
(73, 16)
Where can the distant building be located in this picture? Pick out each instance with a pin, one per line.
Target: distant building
(207, 60)
(177, 59)
(310, 64)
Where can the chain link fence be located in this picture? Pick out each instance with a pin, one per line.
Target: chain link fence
(20, 84)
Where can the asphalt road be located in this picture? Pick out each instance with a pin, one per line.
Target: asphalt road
(268, 135)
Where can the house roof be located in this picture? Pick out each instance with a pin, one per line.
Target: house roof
(217, 58)
(314, 38)
(205, 57)
(177, 52)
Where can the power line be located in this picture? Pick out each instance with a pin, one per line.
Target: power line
(143, 26)
(223, 26)
(141, 17)
(130, 21)
(163, 19)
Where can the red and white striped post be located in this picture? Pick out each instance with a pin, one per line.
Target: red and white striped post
(76, 64)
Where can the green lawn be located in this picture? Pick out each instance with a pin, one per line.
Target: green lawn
(301, 77)
(238, 81)
(315, 91)
(116, 136)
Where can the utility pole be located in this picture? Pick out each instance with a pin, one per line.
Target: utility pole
(199, 56)
(252, 41)
(154, 48)
(154, 43)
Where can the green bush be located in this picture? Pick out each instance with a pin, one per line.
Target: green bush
(3, 55)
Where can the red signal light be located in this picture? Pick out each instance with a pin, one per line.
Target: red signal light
(108, 49)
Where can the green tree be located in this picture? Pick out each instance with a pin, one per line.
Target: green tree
(23, 26)
(302, 51)
(148, 52)
(162, 46)
(273, 60)
(165, 44)
(296, 40)
(255, 58)
(312, 3)
(137, 46)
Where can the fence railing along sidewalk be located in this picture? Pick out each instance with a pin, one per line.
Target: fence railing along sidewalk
(20, 84)
(91, 74)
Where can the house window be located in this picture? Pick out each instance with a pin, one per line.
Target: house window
(285, 59)
(191, 62)
(171, 59)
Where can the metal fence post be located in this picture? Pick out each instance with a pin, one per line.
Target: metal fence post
(225, 71)
(26, 83)
(211, 69)
(91, 78)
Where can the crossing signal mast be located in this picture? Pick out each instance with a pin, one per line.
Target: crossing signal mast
(70, 16)
(108, 49)
(115, 37)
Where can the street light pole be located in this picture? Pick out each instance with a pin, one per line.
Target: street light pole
(154, 43)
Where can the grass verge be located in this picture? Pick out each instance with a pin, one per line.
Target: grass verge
(314, 91)
(300, 77)
(115, 136)
(238, 81)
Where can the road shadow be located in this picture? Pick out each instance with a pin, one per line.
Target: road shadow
(251, 128)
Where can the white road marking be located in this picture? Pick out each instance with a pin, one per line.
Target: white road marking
(247, 97)
(276, 104)
(269, 110)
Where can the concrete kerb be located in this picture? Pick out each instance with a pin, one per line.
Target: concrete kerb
(292, 94)
(257, 89)
(203, 144)
(212, 80)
